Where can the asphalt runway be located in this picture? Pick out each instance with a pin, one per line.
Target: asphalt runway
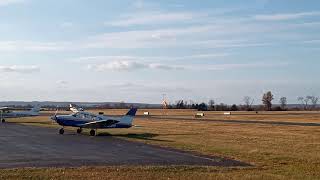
(30, 146)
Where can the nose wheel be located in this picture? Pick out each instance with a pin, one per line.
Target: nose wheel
(61, 131)
(92, 132)
(3, 120)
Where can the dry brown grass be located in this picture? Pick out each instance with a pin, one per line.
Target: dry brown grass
(276, 151)
(283, 116)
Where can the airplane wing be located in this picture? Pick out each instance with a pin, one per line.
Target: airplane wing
(99, 124)
(4, 108)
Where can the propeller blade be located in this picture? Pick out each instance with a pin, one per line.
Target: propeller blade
(54, 118)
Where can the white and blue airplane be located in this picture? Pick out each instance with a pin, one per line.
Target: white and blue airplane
(92, 121)
(6, 112)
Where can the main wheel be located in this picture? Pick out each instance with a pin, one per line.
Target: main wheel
(92, 132)
(61, 131)
(3, 120)
(79, 131)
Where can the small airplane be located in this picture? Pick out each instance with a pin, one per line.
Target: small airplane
(6, 112)
(92, 121)
(75, 108)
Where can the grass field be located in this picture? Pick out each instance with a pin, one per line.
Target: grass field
(275, 151)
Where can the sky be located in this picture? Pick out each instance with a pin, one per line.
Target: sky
(138, 50)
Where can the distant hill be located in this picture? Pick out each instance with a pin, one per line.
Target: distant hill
(81, 104)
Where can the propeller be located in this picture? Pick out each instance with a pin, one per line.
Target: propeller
(54, 118)
(55, 115)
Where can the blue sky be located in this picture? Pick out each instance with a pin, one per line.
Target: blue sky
(137, 50)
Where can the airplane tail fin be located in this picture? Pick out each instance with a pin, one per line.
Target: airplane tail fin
(36, 109)
(128, 118)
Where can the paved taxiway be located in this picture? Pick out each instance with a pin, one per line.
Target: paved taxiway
(29, 146)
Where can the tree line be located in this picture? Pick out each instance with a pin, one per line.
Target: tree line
(306, 103)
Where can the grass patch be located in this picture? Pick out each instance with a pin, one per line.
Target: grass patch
(277, 151)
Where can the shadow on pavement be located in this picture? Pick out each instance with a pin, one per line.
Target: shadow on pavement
(142, 136)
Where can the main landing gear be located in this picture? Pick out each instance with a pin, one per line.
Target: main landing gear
(92, 132)
(3, 120)
(61, 131)
(79, 131)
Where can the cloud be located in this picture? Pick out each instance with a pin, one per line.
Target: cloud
(66, 25)
(19, 69)
(129, 40)
(245, 66)
(156, 18)
(131, 66)
(314, 41)
(8, 2)
(165, 67)
(147, 87)
(119, 66)
(141, 4)
(105, 58)
(282, 17)
(32, 46)
(134, 66)
(215, 34)
(176, 37)
(148, 58)
(62, 82)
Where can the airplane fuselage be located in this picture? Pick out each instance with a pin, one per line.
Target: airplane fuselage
(92, 121)
(70, 120)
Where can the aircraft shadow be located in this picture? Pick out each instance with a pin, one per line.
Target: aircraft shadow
(35, 122)
(142, 136)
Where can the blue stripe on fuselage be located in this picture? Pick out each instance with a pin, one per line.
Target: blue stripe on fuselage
(72, 123)
(79, 123)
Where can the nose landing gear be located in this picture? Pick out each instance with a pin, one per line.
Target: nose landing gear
(61, 131)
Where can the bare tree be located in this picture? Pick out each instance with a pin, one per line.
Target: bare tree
(180, 104)
(186, 104)
(267, 100)
(314, 101)
(248, 101)
(283, 103)
(305, 101)
(301, 100)
(211, 104)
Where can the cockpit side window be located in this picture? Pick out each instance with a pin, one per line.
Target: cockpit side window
(86, 116)
(75, 115)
